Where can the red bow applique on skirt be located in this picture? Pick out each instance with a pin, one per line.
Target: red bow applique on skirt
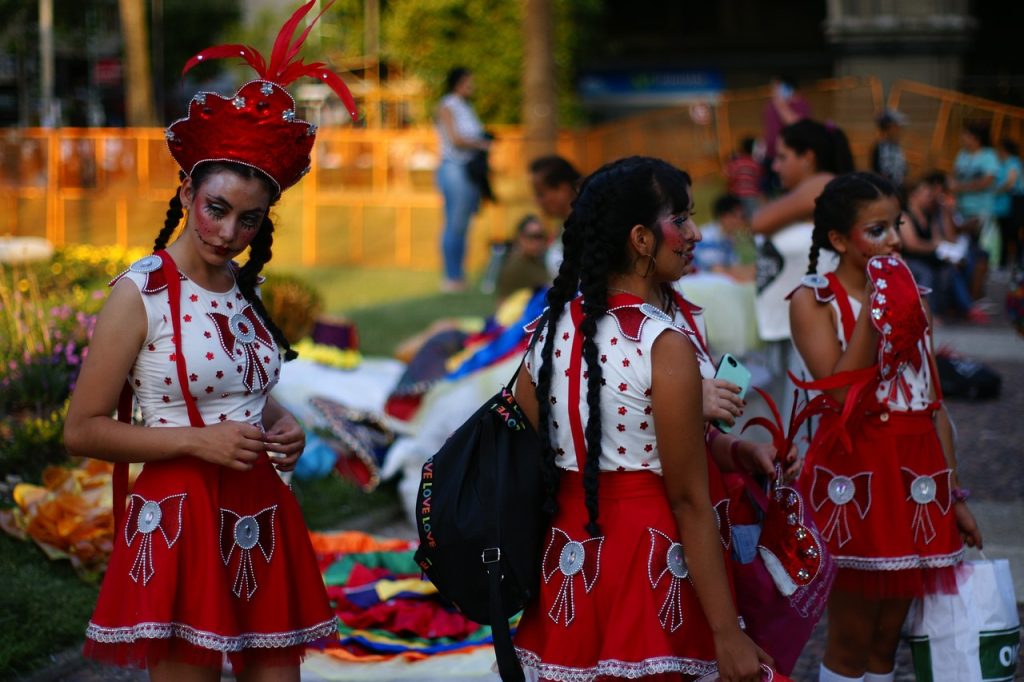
(925, 491)
(144, 518)
(571, 558)
(667, 562)
(839, 491)
(246, 533)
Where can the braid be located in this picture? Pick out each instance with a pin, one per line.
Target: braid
(174, 216)
(594, 283)
(561, 292)
(812, 258)
(248, 276)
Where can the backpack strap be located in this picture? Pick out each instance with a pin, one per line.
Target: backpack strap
(494, 478)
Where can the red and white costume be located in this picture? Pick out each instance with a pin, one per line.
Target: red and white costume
(621, 604)
(208, 560)
(876, 478)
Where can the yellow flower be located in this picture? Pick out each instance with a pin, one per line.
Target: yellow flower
(23, 285)
(56, 268)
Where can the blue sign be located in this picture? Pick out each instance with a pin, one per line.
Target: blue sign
(649, 88)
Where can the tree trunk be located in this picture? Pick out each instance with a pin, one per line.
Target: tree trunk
(138, 83)
(539, 125)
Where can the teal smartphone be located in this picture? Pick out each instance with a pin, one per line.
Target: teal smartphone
(732, 370)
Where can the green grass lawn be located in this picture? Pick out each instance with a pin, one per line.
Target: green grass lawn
(43, 607)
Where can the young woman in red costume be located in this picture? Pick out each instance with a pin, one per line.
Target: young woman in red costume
(211, 552)
(633, 581)
(880, 476)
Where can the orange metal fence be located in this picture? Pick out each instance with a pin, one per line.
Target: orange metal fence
(370, 197)
(936, 117)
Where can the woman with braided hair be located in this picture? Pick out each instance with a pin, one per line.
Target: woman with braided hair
(211, 554)
(634, 583)
(880, 474)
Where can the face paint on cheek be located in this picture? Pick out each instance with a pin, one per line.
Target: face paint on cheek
(673, 240)
(869, 243)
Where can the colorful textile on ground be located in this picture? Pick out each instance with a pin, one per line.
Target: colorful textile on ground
(384, 606)
(361, 439)
(69, 516)
(502, 342)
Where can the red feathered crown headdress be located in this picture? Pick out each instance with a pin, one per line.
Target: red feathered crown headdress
(257, 126)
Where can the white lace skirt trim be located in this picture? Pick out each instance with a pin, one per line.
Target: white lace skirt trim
(630, 670)
(900, 563)
(210, 640)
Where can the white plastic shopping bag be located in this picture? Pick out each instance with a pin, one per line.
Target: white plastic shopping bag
(973, 636)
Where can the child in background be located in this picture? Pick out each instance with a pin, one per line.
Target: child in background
(716, 250)
(744, 176)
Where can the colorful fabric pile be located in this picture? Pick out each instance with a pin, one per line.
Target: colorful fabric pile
(386, 609)
(68, 516)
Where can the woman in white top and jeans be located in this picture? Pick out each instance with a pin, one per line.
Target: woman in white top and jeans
(461, 135)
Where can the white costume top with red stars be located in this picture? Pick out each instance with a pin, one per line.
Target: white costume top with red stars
(624, 339)
(230, 377)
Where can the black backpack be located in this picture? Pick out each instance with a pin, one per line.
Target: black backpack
(965, 378)
(480, 522)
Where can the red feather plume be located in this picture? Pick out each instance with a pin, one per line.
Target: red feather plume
(283, 68)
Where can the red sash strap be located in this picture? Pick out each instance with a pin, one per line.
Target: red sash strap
(575, 372)
(174, 294)
(124, 403)
(848, 319)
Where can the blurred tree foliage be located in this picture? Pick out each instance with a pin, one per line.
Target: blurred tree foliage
(429, 37)
(426, 38)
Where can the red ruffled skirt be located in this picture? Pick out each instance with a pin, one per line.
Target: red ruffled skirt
(210, 561)
(886, 508)
(619, 605)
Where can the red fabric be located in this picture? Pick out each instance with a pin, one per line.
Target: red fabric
(253, 127)
(849, 320)
(897, 313)
(882, 539)
(743, 177)
(618, 619)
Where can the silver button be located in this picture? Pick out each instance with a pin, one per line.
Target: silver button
(149, 517)
(676, 561)
(146, 265)
(923, 489)
(571, 560)
(841, 489)
(242, 328)
(654, 312)
(247, 532)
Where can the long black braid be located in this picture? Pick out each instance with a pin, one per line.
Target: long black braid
(615, 198)
(259, 250)
(837, 206)
(561, 292)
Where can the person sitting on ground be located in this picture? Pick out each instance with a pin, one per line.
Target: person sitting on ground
(716, 251)
(554, 181)
(524, 266)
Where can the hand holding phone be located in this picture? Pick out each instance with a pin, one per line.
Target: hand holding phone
(732, 370)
